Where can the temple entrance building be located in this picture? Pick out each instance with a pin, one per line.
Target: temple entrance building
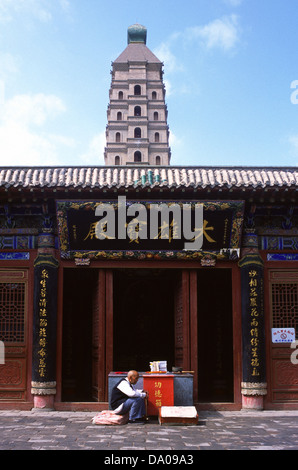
(107, 268)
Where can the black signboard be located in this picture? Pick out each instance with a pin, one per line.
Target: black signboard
(122, 228)
(253, 339)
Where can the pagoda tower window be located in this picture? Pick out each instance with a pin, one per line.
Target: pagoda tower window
(137, 90)
(137, 111)
(137, 133)
(137, 156)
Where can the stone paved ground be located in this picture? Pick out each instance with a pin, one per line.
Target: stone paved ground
(31, 430)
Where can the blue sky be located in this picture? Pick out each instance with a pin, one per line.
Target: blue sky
(228, 67)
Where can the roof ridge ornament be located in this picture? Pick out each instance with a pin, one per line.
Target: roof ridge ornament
(136, 34)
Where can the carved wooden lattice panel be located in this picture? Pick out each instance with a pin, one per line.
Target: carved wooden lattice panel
(12, 312)
(284, 302)
(13, 333)
(284, 314)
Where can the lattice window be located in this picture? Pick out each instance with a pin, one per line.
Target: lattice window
(285, 305)
(12, 312)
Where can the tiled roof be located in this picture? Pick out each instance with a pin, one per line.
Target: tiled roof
(138, 53)
(141, 177)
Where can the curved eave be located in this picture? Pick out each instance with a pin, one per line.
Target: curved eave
(168, 178)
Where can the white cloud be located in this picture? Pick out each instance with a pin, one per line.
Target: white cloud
(174, 141)
(221, 33)
(41, 10)
(19, 146)
(24, 135)
(177, 146)
(171, 63)
(95, 151)
(24, 139)
(293, 141)
(10, 8)
(33, 109)
(168, 87)
(65, 4)
(8, 65)
(164, 53)
(233, 3)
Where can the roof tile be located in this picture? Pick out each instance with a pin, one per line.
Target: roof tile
(126, 177)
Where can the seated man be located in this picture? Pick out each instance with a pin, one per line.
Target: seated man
(126, 398)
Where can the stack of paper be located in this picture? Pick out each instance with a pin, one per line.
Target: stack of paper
(158, 366)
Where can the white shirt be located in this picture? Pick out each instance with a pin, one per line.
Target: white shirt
(128, 389)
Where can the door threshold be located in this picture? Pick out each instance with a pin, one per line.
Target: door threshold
(211, 406)
(81, 406)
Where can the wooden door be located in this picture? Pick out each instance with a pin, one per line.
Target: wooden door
(109, 331)
(102, 334)
(283, 292)
(181, 306)
(13, 334)
(98, 338)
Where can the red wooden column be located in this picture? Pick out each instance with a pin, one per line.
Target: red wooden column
(43, 385)
(254, 385)
(237, 339)
(193, 337)
(182, 345)
(109, 328)
(98, 339)
(102, 334)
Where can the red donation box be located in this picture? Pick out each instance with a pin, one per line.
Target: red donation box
(161, 391)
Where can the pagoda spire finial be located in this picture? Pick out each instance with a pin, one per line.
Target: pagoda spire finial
(136, 34)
